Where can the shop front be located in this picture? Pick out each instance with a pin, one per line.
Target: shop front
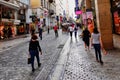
(115, 9)
(116, 16)
(7, 27)
(21, 28)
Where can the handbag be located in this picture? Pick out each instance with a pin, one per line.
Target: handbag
(29, 60)
(104, 51)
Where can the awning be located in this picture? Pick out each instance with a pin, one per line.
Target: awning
(8, 4)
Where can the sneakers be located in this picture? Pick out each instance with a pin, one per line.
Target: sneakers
(39, 65)
(101, 62)
(33, 70)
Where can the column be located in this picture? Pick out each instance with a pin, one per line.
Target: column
(104, 22)
(16, 14)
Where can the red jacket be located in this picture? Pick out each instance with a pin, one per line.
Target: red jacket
(55, 27)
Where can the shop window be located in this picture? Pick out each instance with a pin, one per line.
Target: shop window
(7, 13)
(117, 22)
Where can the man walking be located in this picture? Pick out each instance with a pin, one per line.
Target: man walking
(71, 30)
(40, 31)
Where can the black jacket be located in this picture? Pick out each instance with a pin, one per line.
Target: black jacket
(34, 45)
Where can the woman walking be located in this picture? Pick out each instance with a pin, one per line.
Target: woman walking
(97, 43)
(71, 30)
(86, 38)
(34, 49)
(75, 30)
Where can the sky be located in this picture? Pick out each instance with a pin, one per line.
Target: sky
(71, 8)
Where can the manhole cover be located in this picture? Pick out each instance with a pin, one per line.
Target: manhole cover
(61, 46)
(6, 47)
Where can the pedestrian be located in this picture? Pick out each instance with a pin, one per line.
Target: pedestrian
(5, 32)
(48, 30)
(34, 49)
(97, 43)
(40, 31)
(86, 38)
(75, 30)
(70, 30)
(56, 30)
(9, 32)
(90, 25)
(32, 28)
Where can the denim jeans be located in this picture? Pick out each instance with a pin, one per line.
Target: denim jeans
(75, 34)
(71, 34)
(97, 48)
(33, 54)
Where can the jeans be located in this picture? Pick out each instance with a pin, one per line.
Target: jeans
(75, 34)
(33, 54)
(98, 52)
(40, 34)
(71, 34)
(56, 33)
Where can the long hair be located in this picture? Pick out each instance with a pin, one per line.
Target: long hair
(34, 37)
(95, 30)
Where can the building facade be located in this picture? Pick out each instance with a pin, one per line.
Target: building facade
(45, 12)
(12, 18)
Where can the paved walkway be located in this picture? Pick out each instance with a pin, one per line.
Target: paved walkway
(9, 43)
(79, 64)
(13, 57)
(82, 65)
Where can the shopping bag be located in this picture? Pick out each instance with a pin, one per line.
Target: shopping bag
(29, 60)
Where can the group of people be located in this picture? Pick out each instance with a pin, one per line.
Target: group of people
(73, 28)
(34, 46)
(7, 33)
(92, 38)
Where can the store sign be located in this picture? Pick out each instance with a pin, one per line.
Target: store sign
(35, 3)
(78, 12)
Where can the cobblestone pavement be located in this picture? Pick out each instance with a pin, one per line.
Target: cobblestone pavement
(14, 53)
(81, 64)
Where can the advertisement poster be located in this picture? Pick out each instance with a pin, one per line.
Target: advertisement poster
(89, 15)
(117, 22)
(84, 18)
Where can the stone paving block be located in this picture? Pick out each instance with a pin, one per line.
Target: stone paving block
(81, 65)
(13, 61)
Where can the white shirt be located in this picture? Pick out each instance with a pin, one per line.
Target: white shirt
(96, 38)
(70, 28)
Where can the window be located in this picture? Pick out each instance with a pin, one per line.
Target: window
(42, 3)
